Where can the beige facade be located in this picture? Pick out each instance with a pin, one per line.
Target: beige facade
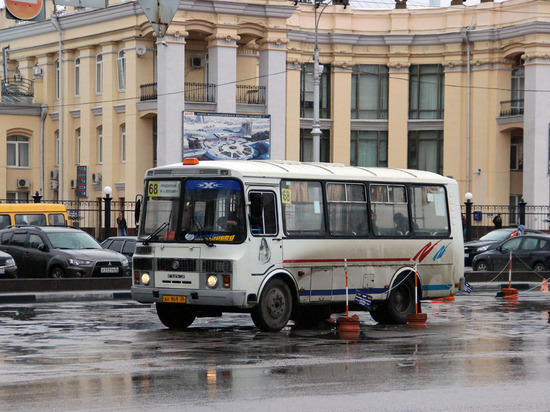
(481, 120)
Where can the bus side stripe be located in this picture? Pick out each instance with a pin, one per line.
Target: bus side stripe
(349, 260)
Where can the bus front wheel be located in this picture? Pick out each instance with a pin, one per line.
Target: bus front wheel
(175, 315)
(398, 305)
(273, 311)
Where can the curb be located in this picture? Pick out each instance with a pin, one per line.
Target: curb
(63, 296)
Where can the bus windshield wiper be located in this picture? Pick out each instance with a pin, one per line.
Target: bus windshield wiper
(155, 232)
(198, 224)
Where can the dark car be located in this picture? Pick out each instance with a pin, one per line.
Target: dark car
(121, 244)
(53, 251)
(488, 242)
(529, 252)
(8, 268)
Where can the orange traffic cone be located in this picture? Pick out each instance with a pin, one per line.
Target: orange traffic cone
(544, 286)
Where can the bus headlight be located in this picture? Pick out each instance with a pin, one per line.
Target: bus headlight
(145, 279)
(212, 281)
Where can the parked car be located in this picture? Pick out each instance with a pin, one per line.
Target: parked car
(488, 242)
(529, 252)
(121, 244)
(56, 252)
(8, 268)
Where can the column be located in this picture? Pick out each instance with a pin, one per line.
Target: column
(171, 98)
(341, 112)
(292, 146)
(273, 77)
(398, 114)
(222, 69)
(536, 120)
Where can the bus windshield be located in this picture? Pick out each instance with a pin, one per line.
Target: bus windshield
(211, 211)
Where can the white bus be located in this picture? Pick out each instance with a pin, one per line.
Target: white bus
(274, 238)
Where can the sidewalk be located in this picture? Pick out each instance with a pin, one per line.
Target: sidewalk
(90, 295)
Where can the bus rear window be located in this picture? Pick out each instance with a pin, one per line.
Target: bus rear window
(303, 213)
(30, 219)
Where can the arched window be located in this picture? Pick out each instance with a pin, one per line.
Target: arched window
(18, 151)
(121, 70)
(77, 77)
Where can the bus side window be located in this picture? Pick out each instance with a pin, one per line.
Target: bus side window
(4, 221)
(263, 214)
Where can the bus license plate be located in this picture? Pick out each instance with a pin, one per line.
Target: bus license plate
(109, 270)
(173, 299)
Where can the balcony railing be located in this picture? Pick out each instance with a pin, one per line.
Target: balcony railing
(148, 92)
(250, 94)
(17, 90)
(194, 92)
(200, 92)
(511, 108)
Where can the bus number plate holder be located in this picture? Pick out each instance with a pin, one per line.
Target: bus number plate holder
(174, 299)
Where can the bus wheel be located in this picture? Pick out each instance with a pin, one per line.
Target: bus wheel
(400, 302)
(175, 315)
(379, 314)
(273, 311)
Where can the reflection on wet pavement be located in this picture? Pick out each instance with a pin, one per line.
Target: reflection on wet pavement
(105, 355)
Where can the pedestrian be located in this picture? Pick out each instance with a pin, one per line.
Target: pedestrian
(121, 224)
(518, 232)
(497, 221)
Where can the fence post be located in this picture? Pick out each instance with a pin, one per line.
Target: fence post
(521, 205)
(468, 203)
(107, 190)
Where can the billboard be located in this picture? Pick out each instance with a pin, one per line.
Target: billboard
(226, 136)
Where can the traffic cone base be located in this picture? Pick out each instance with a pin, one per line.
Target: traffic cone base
(348, 324)
(416, 320)
(510, 293)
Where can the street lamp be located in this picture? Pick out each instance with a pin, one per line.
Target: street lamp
(468, 203)
(317, 70)
(107, 190)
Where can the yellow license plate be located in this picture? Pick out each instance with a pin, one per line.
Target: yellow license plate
(174, 299)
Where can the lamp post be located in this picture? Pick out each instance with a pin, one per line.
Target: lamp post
(317, 70)
(107, 190)
(468, 203)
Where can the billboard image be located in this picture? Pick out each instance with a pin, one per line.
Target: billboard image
(225, 136)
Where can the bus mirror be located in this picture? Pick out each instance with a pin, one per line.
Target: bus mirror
(137, 209)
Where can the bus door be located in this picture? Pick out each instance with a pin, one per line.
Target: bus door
(265, 242)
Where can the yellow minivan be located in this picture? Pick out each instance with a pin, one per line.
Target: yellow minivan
(36, 214)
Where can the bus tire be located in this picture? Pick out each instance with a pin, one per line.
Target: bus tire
(175, 315)
(399, 304)
(273, 311)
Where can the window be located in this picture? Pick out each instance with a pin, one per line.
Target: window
(27, 219)
(369, 92)
(303, 213)
(369, 148)
(18, 151)
(56, 219)
(426, 150)
(306, 92)
(516, 153)
(389, 210)
(426, 91)
(57, 149)
(100, 144)
(77, 77)
(121, 70)
(34, 241)
(263, 213)
(306, 146)
(78, 147)
(17, 197)
(57, 80)
(430, 216)
(99, 74)
(347, 209)
(123, 143)
(517, 89)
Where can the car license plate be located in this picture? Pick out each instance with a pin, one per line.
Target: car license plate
(173, 299)
(2, 270)
(109, 270)
(466, 255)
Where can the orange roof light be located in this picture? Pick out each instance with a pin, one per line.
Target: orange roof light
(191, 161)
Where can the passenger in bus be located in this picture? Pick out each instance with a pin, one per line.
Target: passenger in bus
(401, 224)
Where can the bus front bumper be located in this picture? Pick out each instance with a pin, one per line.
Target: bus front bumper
(221, 298)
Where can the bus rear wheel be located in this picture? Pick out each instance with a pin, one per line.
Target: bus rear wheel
(175, 315)
(398, 305)
(273, 311)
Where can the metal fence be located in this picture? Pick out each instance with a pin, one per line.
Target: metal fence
(89, 215)
(536, 217)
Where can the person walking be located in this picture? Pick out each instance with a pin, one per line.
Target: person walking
(497, 221)
(121, 224)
